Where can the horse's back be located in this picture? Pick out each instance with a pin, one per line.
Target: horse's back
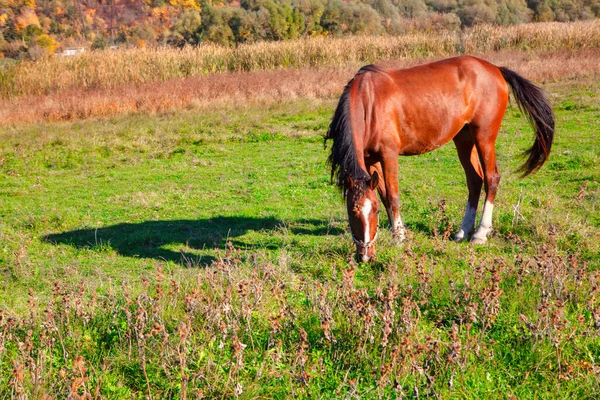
(464, 74)
(427, 105)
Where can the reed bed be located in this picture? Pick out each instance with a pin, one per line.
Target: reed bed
(544, 37)
(111, 69)
(237, 89)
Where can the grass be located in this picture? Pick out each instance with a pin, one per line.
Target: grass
(206, 254)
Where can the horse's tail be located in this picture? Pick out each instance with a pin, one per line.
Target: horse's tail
(533, 103)
(343, 158)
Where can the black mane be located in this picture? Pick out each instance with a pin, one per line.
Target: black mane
(343, 159)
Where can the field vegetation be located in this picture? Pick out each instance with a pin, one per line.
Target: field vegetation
(187, 243)
(113, 69)
(111, 83)
(206, 253)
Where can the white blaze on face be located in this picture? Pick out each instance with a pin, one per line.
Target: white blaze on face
(366, 211)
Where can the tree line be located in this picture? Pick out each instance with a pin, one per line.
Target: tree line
(36, 28)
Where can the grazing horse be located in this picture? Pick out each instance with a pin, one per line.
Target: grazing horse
(383, 114)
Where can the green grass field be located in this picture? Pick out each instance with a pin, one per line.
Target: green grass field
(185, 254)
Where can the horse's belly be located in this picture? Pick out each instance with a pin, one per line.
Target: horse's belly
(419, 148)
(424, 124)
(426, 140)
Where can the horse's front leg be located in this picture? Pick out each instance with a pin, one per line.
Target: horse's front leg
(469, 158)
(388, 191)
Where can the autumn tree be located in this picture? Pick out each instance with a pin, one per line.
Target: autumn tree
(35, 28)
(186, 29)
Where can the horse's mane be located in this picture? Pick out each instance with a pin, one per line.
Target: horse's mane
(343, 159)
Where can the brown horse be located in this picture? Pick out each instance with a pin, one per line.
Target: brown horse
(383, 114)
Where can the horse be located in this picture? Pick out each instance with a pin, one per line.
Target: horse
(383, 114)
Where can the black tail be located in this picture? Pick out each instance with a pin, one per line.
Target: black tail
(533, 103)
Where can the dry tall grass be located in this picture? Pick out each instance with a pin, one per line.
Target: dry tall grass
(264, 87)
(545, 37)
(111, 69)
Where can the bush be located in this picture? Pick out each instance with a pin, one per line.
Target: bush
(187, 29)
(99, 43)
(46, 42)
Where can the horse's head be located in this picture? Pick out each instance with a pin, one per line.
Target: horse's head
(363, 215)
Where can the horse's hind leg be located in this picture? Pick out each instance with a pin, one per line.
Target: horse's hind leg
(469, 159)
(485, 140)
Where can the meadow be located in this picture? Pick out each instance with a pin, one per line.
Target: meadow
(203, 252)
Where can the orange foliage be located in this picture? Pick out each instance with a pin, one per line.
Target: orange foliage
(26, 18)
(161, 13)
(89, 15)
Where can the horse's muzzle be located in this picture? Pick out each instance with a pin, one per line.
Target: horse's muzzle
(364, 250)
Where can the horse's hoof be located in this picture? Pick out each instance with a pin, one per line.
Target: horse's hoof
(398, 239)
(478, 240)
(459, 237)
(399, 236)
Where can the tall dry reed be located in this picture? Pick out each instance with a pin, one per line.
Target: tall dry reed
(110, 69)
(264, 87)
(544, 37)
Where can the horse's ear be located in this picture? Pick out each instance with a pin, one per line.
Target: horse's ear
(374, 180)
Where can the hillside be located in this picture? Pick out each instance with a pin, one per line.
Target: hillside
(37, 28)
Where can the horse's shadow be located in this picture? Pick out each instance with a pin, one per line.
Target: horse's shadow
(148, 239)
